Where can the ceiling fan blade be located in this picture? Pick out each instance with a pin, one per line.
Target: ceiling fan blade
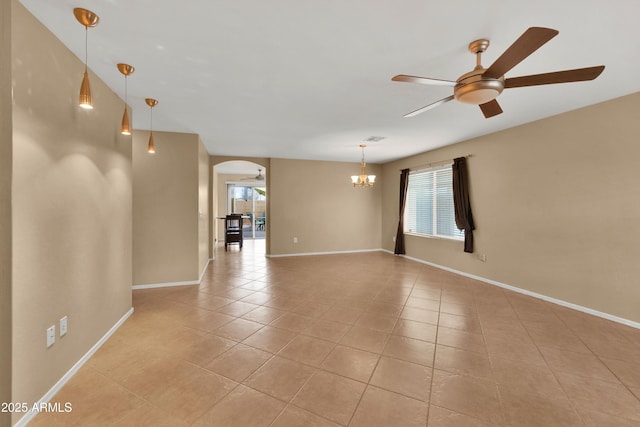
(530, 41)
(422, 80)
(430, 106)
(491, 108)
(567, 76)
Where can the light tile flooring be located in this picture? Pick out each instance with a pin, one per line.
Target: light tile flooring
(361, 340)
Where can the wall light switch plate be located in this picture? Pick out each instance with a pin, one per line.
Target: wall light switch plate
(51, 335)
(63, 326)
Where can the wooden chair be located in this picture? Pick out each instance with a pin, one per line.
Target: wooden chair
(233, 230)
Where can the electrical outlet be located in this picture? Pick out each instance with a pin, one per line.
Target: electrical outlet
(393, 239)
(63, 326)
(51, 335)
(483, 257)
(295, 240)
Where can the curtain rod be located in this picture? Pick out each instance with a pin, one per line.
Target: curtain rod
(428, 165)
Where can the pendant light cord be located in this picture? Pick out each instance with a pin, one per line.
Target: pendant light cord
(86, 49)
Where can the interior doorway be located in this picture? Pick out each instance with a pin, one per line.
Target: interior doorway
(241, 186)
(250, 200)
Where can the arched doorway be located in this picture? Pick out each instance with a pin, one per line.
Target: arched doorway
(240, 186)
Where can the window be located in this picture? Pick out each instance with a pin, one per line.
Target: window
(429, 208)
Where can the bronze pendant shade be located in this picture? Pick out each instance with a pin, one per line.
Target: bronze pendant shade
(125, 127)
(86, 99)
(151, 147)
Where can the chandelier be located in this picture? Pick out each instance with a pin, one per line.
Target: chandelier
(363, 180)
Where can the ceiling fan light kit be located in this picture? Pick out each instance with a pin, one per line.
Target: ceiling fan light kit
(476, 90)
(482, 86)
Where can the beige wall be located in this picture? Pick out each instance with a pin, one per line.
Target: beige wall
(327, 215)
(6, 138)
(316, 202)
(71, 209)
(166, 208)
(556, 204)
(203, 205)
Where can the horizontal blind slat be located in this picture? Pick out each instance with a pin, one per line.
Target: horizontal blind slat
(429, 208)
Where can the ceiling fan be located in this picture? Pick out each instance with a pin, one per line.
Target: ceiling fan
(258, 177)
(481, 86)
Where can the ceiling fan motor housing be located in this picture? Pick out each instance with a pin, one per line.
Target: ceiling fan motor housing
(472, 88)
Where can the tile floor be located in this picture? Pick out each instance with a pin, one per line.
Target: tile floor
(360, 340)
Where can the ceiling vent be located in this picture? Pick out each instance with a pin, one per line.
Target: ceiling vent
(375, 138)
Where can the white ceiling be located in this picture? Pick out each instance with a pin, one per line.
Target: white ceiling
(241, 167)
(312, 79)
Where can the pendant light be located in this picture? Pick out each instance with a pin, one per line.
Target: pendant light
(125, 128)
(88, 19)
(151, 147)
(363, 180)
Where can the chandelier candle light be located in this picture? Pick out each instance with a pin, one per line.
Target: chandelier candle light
(125, 128)
(88, 19)
(151, 148)
(363, 180)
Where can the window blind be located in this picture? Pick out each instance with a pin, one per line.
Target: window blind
(429, 210)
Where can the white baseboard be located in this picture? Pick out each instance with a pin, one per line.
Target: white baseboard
(204, 269)
(323, 253)
(170, 284)
(71, 372)
(165, 285)
(559, 302)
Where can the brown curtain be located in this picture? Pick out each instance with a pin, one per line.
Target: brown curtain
(404, 184)
(464, 217)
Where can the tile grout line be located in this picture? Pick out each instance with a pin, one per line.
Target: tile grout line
(495, 382)
(599, 359)
(379, 358)
(433, 362)
(566, 395)
(368, 384)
